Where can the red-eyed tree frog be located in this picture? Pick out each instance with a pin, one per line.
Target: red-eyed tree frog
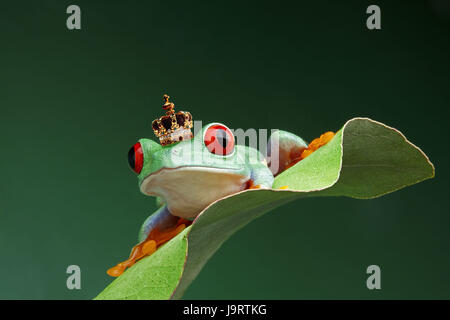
(188, 175)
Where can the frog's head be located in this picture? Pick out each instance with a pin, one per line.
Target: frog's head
(208, 163)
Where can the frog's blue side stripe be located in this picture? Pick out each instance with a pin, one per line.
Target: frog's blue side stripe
(160, 218)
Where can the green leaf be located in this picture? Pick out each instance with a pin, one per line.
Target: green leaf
(365, 159)
(155, 277)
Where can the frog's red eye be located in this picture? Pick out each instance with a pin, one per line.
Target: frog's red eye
(136, 158)
(219, 140)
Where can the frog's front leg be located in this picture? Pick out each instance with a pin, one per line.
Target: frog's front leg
(156, 230)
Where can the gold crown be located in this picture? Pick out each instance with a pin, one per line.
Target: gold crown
(174, 126)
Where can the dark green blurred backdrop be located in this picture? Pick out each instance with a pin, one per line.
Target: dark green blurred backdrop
(73, 103)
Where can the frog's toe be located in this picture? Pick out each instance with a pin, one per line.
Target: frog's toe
(283, 188)
(252, 185)
(154, 240)
(115, 271)
(149, 247)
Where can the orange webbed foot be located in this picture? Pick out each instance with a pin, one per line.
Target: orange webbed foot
(155, 239)
(317, 143)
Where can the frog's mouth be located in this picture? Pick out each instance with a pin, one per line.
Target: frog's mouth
(188, 190)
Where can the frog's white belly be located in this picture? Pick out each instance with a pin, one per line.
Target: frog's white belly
(188, 190)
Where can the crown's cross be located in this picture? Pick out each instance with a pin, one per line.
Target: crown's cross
(168, 106)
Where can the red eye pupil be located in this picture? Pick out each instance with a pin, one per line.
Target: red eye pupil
(136, 158)
(219, 140)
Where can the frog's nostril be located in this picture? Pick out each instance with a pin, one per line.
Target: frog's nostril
(136, 158)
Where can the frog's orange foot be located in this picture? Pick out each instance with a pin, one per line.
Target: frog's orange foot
(283, 188)
(317, 143)
(154, 240)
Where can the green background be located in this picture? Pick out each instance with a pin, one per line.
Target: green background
(73, 103)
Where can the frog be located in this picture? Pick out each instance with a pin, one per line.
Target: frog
(192, 172)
